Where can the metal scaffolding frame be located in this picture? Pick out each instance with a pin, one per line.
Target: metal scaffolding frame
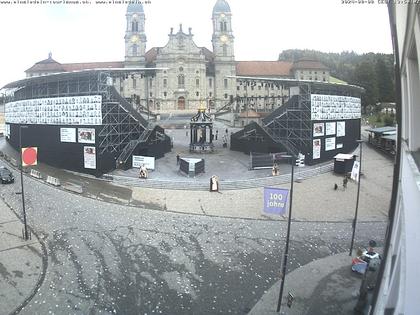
(122, 126)
(86, 83)
(118, 128)
(292, 126)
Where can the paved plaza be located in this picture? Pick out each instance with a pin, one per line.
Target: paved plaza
(118, 249)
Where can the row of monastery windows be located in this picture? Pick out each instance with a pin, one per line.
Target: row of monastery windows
(310, 72)
(310, 78)
(165, 94)
(181, 82)
(266, 87)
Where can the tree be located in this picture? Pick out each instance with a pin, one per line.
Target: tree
(384, 74)
(365, 76)
(377, 78)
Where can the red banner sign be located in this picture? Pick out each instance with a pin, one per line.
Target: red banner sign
(29, 156)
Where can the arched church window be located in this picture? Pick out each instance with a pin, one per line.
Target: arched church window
(134, 50)
(134, 26)
(181, 81)
(224, 50)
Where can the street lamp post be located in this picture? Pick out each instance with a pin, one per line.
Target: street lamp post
(357, 198)
(286, 250)
(26, 235)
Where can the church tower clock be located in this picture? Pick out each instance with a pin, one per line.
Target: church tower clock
(135, 36)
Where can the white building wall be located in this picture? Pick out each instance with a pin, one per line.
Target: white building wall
(399, 288)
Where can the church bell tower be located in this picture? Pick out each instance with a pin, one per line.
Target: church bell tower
(223, 50)
(135, 36)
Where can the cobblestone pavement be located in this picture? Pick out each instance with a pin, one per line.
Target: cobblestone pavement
(218, 256)
(21, 263)
(113, 259)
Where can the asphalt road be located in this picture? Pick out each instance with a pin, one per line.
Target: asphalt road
(107, 258)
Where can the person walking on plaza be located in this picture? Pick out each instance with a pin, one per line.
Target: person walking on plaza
(345, 181)
(217, 133)
(177, 159)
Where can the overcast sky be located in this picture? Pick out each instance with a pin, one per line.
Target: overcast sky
(262, 29)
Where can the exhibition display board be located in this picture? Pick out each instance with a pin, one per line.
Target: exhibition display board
(75, 110)
(336, 124)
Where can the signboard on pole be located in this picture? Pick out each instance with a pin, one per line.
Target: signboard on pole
(29, 156)
(275, 200)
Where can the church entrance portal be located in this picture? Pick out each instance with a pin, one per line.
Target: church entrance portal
(181, 102)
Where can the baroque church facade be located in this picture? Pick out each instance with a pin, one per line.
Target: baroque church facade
(184, 76)
(187, 75)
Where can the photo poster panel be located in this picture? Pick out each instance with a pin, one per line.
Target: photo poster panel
(335, 107)
(329, 128)
(329, 144)
(341, 128)
(74, 110)
(86, 135)
(318, 129)
(89, 154)
(316, 149)
(67, 134)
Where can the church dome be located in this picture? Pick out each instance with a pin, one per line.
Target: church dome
(135, 8)
(221, 6)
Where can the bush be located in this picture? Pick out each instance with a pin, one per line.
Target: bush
(388, 120)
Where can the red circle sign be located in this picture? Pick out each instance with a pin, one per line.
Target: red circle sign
(29, 156)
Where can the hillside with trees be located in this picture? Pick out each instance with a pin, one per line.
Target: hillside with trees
(373, 71)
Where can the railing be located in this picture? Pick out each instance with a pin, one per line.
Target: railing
(131, 146)
(224, 107)
(127, 107)
(281, 110)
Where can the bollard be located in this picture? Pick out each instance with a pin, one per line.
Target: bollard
(107, 176)
(35, 173)
(13, 162)
(53, 181)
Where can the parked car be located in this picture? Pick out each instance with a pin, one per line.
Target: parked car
(6, 176)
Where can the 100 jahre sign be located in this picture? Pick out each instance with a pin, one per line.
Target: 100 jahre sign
(275, 200)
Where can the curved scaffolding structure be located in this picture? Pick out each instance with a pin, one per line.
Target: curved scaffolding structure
(80, 122)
